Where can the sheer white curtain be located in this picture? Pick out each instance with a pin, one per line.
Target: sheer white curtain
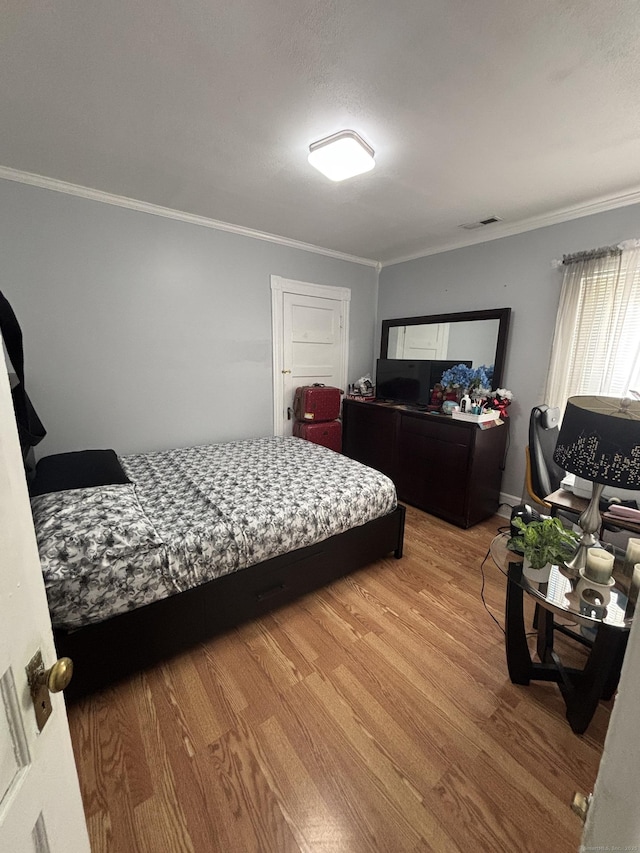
(596, 344)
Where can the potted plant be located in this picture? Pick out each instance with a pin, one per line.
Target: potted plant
(543, 544)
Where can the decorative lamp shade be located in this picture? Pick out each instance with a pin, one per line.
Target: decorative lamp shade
(600, 440)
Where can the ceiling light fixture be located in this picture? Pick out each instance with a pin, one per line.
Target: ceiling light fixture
(341, 155)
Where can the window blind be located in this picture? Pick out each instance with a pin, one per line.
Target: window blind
(596, 346)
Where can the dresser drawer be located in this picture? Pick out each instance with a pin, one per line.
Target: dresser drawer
(429, 426)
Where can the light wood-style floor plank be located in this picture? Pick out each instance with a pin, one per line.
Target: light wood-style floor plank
(373, 715)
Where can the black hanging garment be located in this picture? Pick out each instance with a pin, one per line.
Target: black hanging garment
(30, 428)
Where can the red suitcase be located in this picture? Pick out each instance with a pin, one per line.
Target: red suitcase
(328, 434)
(316, 403)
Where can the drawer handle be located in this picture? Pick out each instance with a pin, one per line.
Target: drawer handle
(271, 591)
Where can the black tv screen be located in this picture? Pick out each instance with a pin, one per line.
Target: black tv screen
(404, 380)
(410, 381)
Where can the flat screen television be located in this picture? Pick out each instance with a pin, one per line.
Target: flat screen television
(403, 380)
(410, 381)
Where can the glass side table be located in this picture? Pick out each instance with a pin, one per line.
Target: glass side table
(604, 632)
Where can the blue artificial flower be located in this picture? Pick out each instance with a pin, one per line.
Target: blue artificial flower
(459, 376)
(481, 377)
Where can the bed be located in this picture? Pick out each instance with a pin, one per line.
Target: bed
(168, 548)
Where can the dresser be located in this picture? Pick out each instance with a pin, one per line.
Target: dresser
(449, 468)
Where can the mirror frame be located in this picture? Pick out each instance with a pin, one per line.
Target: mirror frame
(501, 314)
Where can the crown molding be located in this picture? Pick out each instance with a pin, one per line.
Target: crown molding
(531, 224)
(503, 230)
(34, 180)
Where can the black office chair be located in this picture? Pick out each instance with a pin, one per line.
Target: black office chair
(543, 475)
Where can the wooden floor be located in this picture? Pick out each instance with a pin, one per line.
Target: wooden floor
(374, 715)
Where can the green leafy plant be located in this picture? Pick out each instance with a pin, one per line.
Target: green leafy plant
(544, 541)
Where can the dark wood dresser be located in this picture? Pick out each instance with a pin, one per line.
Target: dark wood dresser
(449, 468)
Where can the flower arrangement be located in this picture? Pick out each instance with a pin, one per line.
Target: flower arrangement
(476, 381)
(500, 401)
(480, 385)
(457, 377)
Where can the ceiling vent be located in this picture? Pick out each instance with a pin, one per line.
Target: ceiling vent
(471, 226)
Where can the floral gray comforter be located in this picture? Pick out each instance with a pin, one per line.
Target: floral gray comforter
(194, 514)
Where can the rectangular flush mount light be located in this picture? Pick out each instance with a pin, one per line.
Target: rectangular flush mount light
(341, 155)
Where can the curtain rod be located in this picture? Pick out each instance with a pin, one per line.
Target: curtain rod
(592, 254)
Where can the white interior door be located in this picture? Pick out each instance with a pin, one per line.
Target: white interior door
(310, 325)
(40, 806)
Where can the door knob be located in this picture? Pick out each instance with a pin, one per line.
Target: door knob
(58, 676)
(285, 371)
(43, 681)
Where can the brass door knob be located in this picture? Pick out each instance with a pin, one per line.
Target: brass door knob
(43, 681)
(58, 676)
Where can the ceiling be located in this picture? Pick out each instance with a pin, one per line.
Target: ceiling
(523, 110)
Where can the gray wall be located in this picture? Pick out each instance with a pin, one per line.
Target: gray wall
(513, 272)
(143, 332)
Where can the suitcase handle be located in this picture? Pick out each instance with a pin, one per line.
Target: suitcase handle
(322, 385)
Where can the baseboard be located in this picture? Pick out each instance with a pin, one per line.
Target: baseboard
(506, 503)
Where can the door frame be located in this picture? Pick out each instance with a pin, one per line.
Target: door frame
(280, 286)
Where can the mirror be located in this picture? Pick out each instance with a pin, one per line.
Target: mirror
(476, 336)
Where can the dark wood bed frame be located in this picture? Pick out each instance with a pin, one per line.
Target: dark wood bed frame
(108, 651)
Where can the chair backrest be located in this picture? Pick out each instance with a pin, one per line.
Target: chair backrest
(546, 475)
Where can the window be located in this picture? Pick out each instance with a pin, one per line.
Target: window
(596, 346)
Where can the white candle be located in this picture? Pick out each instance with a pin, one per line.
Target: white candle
(599, 565)
(633, 552)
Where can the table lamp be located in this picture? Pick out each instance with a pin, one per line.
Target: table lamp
(600, 441)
